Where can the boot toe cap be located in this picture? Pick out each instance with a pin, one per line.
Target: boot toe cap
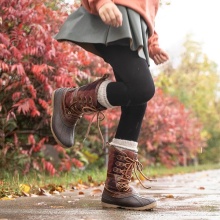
(126, 201)
(63, 132)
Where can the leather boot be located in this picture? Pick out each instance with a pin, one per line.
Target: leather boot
(69, 105)
(117, 192)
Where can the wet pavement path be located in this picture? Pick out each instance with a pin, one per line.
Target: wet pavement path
(183, 197)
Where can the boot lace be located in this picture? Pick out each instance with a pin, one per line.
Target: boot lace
(99, 117)
(130, 164)
(84, 105)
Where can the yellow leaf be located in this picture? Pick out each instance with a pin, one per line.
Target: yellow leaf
(90, 156)
(142, 177)
(6, 198)
(80, 181)
(24, 188)
(60, 189)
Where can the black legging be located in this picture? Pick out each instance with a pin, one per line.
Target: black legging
(133, 88)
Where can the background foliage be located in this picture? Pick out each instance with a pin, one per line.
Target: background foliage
(33, 64)
(196, 83)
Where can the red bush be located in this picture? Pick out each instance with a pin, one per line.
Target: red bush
(33, 64)
(170, 133)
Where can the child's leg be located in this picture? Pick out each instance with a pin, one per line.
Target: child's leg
(134, 87)
(131, 119)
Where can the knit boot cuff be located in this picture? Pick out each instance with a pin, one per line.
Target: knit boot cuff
(102, 94)
(125, 144)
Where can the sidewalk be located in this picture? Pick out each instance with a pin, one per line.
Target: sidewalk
(183, 197)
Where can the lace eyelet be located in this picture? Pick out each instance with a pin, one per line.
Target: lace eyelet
(123, 158)
(117, 163)
(90, 100)
(84, 100)
(118, 178)
(126, 165)
(118, 157)
(115, 169)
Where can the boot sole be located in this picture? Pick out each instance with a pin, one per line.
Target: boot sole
(62, 126)
(146, 207)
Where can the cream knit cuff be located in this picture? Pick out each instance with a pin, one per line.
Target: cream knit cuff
(125, 144)
(102, 94)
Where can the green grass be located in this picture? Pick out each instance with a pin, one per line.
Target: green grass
(9, 184)
(164, 171)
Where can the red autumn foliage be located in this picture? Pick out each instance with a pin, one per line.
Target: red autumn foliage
(33, 64)
(67, 162)
(171, 135)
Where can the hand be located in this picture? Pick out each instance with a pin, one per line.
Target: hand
(110, 14)
(160, 57)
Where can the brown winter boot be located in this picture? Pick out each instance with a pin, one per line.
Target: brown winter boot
(117, 192)
(69, 105)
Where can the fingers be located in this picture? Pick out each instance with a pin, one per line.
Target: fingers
(110, 14)
(160, 58)
(164, 55)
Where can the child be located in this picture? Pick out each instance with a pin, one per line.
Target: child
(122, 33)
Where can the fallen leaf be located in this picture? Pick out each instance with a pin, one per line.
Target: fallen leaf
(170, 196)
(90, 179)
(60, 189)
(33, 195)
(25, 194)
(6, 198)
(24, 188)
(80, 181)
(55, 192)
(11, 196)
(96, 192)
(56, 207)
(43, 192)
(82, 186)
(141, 177)
(132, 179)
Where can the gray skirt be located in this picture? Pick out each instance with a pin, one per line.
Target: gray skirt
(83, 28)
